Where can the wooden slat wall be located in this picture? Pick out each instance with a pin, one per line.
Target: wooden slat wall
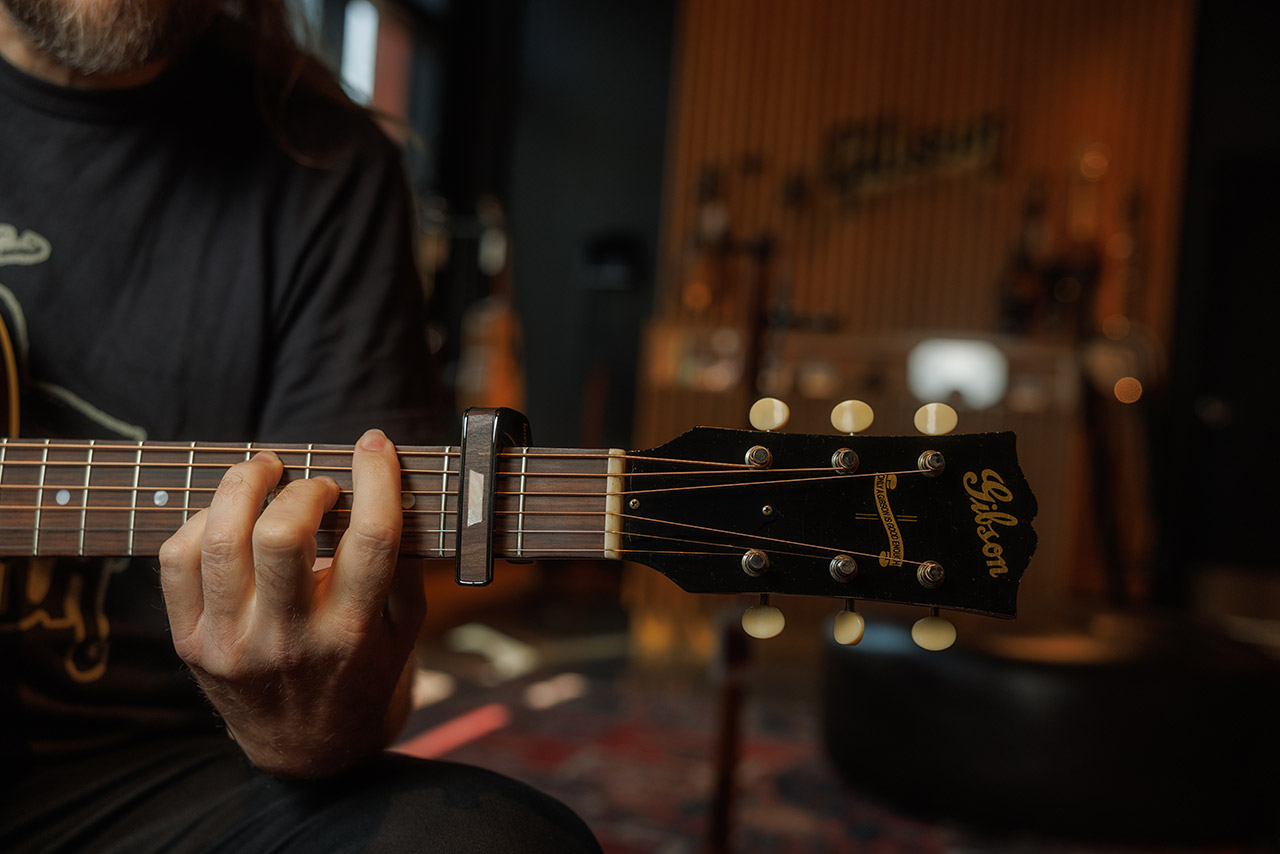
(770, 78)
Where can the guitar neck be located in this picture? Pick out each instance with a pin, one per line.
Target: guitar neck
(118, 498)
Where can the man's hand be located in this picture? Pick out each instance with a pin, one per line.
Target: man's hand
(308, 669)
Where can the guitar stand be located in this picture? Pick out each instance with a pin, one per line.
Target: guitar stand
(485, 433)
(734, 666)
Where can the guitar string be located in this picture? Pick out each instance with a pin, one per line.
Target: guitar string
(767, 477)
(513, 531)
(435, 493)
(519, 530)
(410, 452)
(130, 465)
(433, 513)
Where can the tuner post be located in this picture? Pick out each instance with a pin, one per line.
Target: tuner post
(932, 463)
(759, 457)
(845, 460)
(843, 568)
(755, 563)
(930, 574)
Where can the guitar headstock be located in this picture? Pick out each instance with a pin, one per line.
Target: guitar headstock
(933, 520)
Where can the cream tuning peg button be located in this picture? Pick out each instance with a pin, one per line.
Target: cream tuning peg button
(763, 620)
(849, 627)
(769, 413)
(936, 419)
(852, 416)
(933, 633)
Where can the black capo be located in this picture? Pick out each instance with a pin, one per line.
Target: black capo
(485, 432)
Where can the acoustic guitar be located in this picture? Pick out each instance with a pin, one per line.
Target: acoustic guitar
(939, 521)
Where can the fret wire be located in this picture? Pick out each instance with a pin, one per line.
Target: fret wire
(35, 543)
(524, 465)
(137, 472)
(84, 499)
(186, 500)
(444, 483)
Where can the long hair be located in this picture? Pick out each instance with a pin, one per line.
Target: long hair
(264, 35)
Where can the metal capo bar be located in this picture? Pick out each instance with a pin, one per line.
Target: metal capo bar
(485, 432)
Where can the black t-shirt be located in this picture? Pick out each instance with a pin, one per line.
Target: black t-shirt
(169, 271)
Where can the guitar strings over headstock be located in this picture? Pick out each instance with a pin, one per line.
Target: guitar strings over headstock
(851, 417)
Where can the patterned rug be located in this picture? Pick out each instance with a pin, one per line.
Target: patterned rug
(638, 765)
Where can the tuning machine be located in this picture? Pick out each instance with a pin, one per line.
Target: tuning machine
(933, 633)
(764, 620)
(852, 416)
(769, 414)
(936, 419)
(849, 625)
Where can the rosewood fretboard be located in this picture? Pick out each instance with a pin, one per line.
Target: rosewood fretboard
(119, 498)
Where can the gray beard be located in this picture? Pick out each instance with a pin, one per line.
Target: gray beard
(95, 37)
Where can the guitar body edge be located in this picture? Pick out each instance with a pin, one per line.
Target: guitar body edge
(10, 398)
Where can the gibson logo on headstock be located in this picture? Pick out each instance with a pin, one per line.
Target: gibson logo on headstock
(986, 498)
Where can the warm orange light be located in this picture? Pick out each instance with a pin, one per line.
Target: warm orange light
(1094, 162)
(1116, 327)
(1128, 390)
(697, 296)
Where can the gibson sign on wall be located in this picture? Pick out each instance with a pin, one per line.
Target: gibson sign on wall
(871, 157)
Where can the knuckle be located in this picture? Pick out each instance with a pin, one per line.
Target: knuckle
(275, 537)
(233, 483)
(219, 546)
(174, 555)
(375, 537)
(189, 649)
